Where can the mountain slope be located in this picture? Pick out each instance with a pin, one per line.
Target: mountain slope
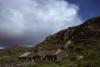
(85, 41)
(88, 31)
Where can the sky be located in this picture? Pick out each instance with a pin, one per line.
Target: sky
(88, 8)
(28, 22)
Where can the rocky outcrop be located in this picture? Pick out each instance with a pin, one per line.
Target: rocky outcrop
(84, 37)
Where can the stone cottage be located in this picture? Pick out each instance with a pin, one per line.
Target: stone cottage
(25, 57)
(55, 56)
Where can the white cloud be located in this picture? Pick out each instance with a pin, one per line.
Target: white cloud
(39, 17)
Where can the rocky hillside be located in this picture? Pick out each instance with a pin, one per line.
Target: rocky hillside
(82, 40)
(88, 32)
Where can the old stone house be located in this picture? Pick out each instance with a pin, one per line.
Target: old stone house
(25, 57)
(28, 56)
(55, 56)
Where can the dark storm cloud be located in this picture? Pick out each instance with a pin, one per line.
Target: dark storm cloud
(30, 21)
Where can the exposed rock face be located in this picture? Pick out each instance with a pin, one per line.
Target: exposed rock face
(83, 37)
(88, 30)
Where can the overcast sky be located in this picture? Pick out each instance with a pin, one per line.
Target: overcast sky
(28, 22)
